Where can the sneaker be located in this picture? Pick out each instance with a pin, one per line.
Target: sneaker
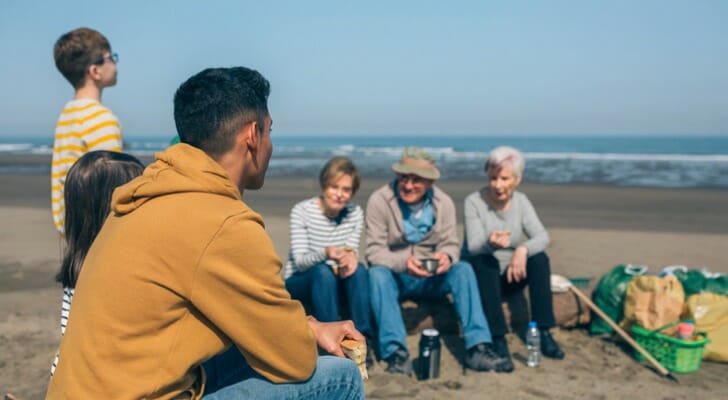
(399, 363)
(500, 346)
(549, 347)
(482, 357)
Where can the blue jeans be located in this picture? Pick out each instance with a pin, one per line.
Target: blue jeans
(319, 287)
(230, 377)
(388, 287)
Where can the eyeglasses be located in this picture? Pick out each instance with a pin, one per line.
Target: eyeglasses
(402, 178)
(113, 57)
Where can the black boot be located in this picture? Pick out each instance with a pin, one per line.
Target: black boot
(399, 363)
(549, 347)
(500, 345)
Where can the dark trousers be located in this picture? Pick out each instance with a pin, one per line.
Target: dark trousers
(492, 285)
(320, 288)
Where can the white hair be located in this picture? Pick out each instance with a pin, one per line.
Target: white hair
(505, 156)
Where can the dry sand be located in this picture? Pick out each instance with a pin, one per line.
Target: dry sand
(593, 229)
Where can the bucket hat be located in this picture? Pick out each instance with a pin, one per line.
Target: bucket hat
(418, 162)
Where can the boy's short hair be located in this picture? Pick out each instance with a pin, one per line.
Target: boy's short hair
(76, 50)
(212, 106)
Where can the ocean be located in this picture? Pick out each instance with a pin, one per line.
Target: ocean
(671, 162)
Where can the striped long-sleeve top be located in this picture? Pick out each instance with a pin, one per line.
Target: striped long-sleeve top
(312, 232)
(65, 312)
(84, 125)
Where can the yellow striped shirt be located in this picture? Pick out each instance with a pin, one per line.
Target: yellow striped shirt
(84, 125)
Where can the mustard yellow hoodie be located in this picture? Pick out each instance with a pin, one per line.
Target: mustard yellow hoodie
(181, 270)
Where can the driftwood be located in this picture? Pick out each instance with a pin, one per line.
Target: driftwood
(569, 312)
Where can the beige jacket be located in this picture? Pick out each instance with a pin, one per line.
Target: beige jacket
(386, 242)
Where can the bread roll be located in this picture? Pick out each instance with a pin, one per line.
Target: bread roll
(357, 352)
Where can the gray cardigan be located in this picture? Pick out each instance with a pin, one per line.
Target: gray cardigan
(520, 218)
(386, 242)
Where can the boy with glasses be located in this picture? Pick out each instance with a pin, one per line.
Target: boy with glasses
(408, 220)
(85, 59)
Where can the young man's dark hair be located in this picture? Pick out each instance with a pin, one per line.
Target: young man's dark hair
(212, 106)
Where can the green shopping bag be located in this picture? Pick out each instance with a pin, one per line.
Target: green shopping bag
(609, 295)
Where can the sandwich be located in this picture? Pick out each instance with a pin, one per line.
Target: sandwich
(357, 352)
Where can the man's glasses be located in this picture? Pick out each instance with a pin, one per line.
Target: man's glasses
(113, 57)
(410, 178)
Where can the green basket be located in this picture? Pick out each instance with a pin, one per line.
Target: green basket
(674, 354)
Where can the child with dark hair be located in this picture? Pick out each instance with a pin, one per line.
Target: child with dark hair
(90, 184)
(84, 57)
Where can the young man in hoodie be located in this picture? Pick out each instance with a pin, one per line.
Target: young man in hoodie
(183, 270)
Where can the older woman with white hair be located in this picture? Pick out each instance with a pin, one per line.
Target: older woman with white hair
(497, 217)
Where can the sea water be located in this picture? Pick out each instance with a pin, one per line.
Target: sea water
(682, 161)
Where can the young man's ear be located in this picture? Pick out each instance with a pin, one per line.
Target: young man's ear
(250, 133)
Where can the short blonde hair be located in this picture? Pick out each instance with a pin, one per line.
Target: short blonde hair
(337, 167)
(505, 156)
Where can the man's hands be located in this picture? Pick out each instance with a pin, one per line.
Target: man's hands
(330, 334)
(415, 268)
(345, 257)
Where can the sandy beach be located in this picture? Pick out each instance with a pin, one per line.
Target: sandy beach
(593, 228)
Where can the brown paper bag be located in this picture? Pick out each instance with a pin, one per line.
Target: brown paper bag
(652, 302)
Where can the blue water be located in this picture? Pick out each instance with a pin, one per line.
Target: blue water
(627, 161)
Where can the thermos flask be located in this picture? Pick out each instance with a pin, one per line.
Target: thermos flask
(429, 361)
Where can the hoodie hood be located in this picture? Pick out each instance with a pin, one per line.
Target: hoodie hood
(179, 169)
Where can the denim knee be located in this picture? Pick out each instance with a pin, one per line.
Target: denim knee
(322, 274)
(380, 276)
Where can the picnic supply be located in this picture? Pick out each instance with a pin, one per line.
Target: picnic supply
(429, 359)
(430, 264)
(569, 311)
(685, 331)
(662, 370)
(357, 352)
(651, 301)
(709, 313)
(698, 281)
(609, 295)
(676, 355)
(533, 344)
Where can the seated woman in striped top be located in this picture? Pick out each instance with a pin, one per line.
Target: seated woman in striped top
(325, 233)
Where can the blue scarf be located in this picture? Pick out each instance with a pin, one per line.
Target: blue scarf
(419, 222)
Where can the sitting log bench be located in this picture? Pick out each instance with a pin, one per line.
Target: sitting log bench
(569, 312)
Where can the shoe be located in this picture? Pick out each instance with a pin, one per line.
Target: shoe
(549, 347)
(500, 346)
(399, 363)
(482, 357)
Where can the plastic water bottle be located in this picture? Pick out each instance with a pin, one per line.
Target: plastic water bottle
(533, 343)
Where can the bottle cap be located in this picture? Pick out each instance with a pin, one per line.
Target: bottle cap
(685, 328)
(430, 332)
(532, 324)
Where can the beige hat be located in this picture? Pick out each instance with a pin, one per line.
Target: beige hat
(418, 162)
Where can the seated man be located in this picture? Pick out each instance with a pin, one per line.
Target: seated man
(182, 270)
(408, 220)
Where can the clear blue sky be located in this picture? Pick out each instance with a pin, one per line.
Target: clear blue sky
(392, 67)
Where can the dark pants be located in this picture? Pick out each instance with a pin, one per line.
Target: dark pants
(319, 287)
(492, 284)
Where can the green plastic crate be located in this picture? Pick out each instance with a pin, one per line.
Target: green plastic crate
(674, 354)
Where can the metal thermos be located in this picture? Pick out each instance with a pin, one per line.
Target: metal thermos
(429, 361)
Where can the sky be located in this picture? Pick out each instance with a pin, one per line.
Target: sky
(392, 67)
